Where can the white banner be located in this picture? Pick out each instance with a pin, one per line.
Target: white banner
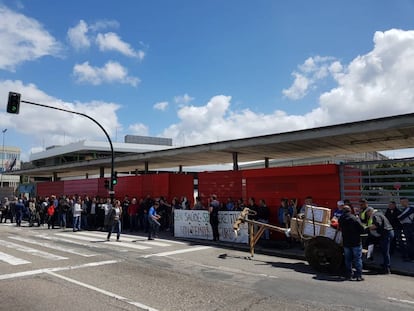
(226, 232)
(196, 224)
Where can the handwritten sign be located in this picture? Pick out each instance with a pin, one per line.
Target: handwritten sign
(196, 224)
(192, 224)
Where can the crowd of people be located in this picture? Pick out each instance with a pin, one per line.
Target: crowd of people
(392, 231)
(94, 213)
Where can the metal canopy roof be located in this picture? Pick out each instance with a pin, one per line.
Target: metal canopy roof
(388, 133)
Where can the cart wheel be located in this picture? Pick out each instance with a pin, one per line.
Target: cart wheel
(324, 255)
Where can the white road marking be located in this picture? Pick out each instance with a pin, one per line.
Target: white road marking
(54, 238)
(143, 239)
(125, 238)
(12, 260)
(104, 292)
(48, 245)
(40, 271)
(31, 251)
(92, 239)
(151, 242)
(180, 251)
(401, 300)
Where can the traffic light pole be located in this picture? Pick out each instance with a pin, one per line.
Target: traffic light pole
(111, 184)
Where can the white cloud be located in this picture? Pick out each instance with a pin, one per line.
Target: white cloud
(111, 72)
(161, 106)
(379, 83)
(83, 35)
(112, 42)
(138, 129)
(309, 73)
(52, 126)
(23, 39)
(183, 99)
(299, 88)
(104, 24)
(78, 37)
(215, 121)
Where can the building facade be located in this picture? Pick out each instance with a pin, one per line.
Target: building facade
(10, 160)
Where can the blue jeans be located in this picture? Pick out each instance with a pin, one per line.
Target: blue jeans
(62, 219)
(154, 226)
(266, 234)
(353, 255)
(116, 226)
(84, 221)
(76, 223)
(19, 216)
(385, 244)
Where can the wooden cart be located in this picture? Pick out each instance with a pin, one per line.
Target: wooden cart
(322, 253)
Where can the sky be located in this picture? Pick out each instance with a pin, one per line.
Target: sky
(201, 71)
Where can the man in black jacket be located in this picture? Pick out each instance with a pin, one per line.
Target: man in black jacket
(392, 214)
(351, 229)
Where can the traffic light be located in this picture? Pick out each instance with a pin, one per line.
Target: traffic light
(115, 178)
(106, 183)
(13, 104)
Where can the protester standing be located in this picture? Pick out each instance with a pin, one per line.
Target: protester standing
(351, 229)
(392, 214)
(115, 220)
(213, 211)
(19, 209)
(153, 220)
(407, 220)
(51, 215)
(76, 212)
(381, 228)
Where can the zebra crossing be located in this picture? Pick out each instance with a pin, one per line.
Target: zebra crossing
(23, 249)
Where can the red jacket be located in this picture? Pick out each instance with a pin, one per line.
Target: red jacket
(132, 209)
(51, 210)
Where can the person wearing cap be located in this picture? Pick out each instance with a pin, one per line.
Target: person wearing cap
(352, 229)
(382, 228)
(339, 210)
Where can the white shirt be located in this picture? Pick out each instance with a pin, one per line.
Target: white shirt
(77, 210)
(93, 207)
(107, 207)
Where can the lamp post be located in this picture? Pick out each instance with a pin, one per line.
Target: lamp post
(13, 106)
(2, 160)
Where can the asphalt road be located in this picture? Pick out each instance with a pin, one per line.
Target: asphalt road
(46, 270)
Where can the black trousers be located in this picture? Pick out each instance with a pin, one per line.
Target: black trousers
(214, 226)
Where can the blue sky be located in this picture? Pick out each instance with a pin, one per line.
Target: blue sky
(201, 71)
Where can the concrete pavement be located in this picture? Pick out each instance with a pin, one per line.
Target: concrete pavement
(281, 249)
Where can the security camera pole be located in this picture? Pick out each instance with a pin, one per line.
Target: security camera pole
(13, 106)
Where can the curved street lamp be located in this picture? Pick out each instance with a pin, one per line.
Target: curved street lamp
(13, 106)
(2, 159)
